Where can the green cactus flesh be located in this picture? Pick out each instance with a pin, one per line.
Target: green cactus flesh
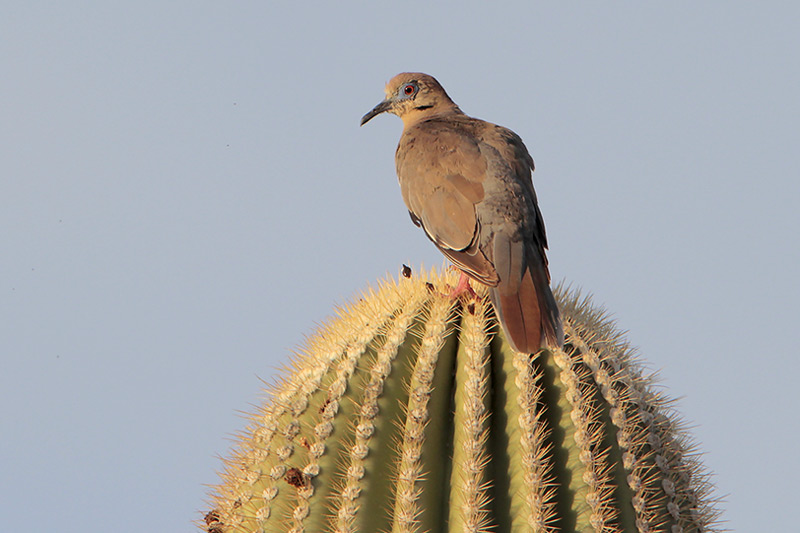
(410, 412)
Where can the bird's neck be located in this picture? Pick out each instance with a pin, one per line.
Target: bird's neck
(440, 110)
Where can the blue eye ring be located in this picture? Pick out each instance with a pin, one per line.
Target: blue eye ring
(408, 90)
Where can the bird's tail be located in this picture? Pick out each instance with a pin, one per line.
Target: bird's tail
(529, 316)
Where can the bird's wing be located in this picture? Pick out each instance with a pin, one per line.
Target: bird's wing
(523, 300)
(441, 172)
(513, 150)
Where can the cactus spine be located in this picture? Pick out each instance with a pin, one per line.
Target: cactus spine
(410, 412)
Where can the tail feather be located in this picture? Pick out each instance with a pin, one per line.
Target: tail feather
(551, 317)
(529, 316)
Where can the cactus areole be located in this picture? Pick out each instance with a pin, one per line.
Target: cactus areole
(410, 412)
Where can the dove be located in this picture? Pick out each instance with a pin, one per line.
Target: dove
(467, 183)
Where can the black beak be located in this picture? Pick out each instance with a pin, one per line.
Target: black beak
(377, 110)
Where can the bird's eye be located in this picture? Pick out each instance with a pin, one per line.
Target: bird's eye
(409, 89)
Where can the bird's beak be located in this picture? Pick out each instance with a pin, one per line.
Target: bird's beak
(383, 107)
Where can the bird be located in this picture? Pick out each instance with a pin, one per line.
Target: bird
(467, 183)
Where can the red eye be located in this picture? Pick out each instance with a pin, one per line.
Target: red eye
(408, 89)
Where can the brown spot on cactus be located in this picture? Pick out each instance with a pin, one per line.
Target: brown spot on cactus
(296, 478)
(410, 412)
(211, 518)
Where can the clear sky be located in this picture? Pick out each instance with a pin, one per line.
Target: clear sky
(185, 192)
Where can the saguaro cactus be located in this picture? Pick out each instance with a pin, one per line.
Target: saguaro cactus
(409, 412)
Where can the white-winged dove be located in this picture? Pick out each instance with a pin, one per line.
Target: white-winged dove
(468, 184)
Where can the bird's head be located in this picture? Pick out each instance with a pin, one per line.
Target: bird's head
(413, 96)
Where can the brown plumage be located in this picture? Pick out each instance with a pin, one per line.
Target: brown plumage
(467, 183)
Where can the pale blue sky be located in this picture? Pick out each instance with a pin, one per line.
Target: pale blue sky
(185, 192)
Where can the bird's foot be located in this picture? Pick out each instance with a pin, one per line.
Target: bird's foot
(462, 288)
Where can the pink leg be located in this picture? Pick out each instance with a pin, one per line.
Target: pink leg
(462, 287)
